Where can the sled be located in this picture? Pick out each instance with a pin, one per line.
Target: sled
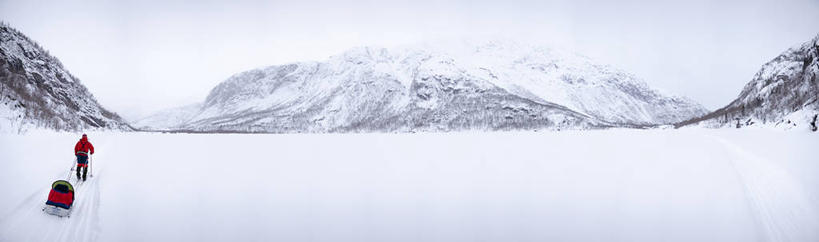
(57, 211)
(60, 199)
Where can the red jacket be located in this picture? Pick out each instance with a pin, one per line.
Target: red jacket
(83, 147)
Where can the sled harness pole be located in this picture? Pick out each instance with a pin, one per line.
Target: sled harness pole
(73, 164)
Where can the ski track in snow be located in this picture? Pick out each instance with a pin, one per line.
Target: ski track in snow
(779, 203)
(764, 200)
(81, 225)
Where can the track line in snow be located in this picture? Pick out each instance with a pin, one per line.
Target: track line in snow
(81, 225)
(779, 202)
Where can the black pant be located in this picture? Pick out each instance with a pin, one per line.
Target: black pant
(84, 171)
(81, 159)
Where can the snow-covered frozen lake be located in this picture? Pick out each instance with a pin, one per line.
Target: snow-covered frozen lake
(610, 185)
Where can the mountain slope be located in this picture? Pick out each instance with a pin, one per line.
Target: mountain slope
(36, 91)
(783, 93)
(574, 81)
(494, 85)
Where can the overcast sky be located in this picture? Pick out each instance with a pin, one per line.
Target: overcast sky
(141, 56)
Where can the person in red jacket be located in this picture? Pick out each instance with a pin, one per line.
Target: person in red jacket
(82, 149)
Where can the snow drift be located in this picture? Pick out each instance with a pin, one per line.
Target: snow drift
(606, 185)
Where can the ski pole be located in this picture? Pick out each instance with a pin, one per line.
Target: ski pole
(90, 165)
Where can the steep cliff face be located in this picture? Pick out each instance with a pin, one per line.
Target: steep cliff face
(493, 85)
(36, 91)
(783, 93)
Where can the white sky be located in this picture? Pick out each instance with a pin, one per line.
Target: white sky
(141, 56)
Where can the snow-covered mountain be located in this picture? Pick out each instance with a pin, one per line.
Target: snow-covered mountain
(167, 119)
(491, 85)
(36, 91)
(352, 96)
(783, 93)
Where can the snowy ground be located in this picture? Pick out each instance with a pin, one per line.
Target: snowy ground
(612, 185)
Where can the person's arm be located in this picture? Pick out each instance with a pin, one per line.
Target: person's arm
(76, 148)
(92, 147)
